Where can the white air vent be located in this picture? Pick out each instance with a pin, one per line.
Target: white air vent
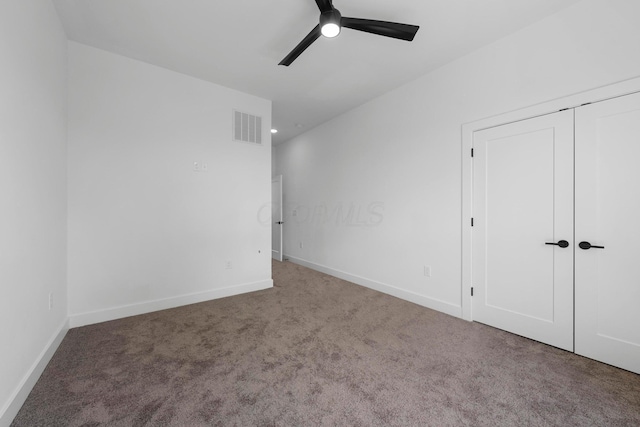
(247, 127)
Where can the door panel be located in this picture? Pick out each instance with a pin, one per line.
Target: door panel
(276, 218)
(607, 214)
(523, 198)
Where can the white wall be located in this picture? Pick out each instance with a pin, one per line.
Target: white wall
(273, 163)
(395, 163)
(146, 231)
(33, 200)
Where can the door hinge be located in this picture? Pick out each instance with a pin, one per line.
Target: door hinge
(472, 291)
(472, 222)
(472, 152)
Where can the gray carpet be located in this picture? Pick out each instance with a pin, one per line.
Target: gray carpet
(316, 350)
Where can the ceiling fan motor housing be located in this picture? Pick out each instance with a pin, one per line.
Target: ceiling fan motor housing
(329, 17)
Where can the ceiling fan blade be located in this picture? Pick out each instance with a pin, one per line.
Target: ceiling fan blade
(382, 28)
(324, 5)
(302, 46)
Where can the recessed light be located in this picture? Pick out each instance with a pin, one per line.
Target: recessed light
(274, 130)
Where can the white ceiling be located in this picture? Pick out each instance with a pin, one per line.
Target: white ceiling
(239, 43)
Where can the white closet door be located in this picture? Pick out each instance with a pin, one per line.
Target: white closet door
(608, 214)
(523, 199)
(276, 218)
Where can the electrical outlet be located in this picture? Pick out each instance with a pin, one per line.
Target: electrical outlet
(301, 245)
(427, 270)
(205, 167)
(196, 166)
(228, 265)
(50, 300)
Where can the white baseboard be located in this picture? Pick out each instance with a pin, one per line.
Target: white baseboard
(83, 319)
(18, 397)
(432, 303)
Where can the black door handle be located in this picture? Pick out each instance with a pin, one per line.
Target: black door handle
(280, 222)
(587, 245)
(561, 243)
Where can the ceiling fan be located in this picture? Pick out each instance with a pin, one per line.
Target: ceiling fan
(331, 21)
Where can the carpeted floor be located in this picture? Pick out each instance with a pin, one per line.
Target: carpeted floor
(316, 350)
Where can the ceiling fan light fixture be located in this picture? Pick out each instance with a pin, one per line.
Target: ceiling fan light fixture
(330, 23)
(330, 30)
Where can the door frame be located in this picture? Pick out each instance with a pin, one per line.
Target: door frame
(603, 93)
